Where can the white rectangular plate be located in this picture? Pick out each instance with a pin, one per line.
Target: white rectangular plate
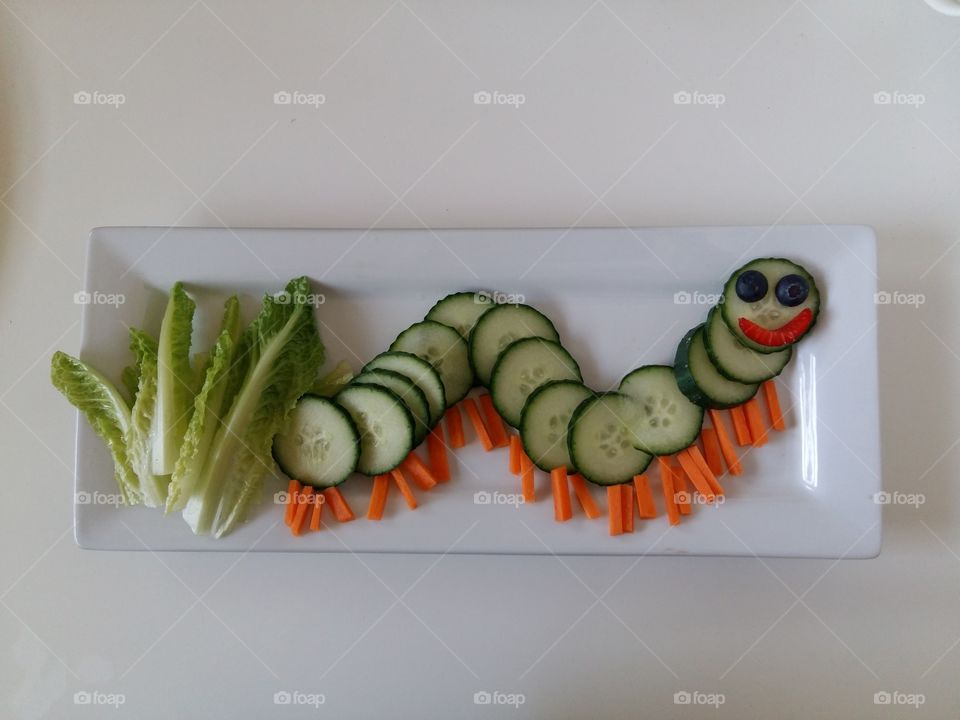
(617, 297)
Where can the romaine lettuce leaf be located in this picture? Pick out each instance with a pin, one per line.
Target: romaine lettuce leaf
(139, 437)
(334, 381)
(106, 410)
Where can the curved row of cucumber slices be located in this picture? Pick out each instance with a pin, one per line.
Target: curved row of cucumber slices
(466, 339)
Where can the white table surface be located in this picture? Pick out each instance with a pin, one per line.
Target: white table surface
(399, 142)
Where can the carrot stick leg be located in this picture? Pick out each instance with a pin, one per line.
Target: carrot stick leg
(293, 489)
(378, 497)
(615, 509)
(711, 449)
(515, 450)
(338, 503)
(527, 478)
(726, 446)
(669, 491)
(584, 497)
(626, 506)
(419, 472)
(690, 467)
(758, 431)
(683, 494)
(740, 428)
(561, 494)
(454, 423)
(401, 480)
(694, 452)
(493, 421)
(296, 527)
(437, 452)
(474, 414)
(645, 506)
(773, 405)
(317, 510)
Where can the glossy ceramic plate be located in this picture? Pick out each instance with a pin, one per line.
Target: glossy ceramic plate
(620, 298)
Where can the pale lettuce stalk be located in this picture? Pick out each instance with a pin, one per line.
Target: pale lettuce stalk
(207, 409)
(106, 410)
(278, 356)
(175, 381)
(139, 436)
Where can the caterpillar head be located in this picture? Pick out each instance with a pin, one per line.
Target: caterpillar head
(770, 303)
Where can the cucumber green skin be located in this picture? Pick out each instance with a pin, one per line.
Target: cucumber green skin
(687, 442)
(344, 415)
(496, 369)
(571, 447)
(685, 380)
(715, 360)
(420, 429)
(486, 317)
(411, 424)
(524, 424)
(451, 401)
(732, 322)
(443, 393)
(431, 314)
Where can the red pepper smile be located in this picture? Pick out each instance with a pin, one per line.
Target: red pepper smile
(784, 335)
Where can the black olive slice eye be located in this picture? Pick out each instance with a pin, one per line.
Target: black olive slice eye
(792, 290)
(752, 286)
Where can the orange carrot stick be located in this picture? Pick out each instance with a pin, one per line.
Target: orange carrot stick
(338, 503)
(626, 506)
(669, 491)
(317, 510)
(561, 494)
(405, 490)
(515, 451)
(615, 509)
(758, 432)
(584, 497)
(526, 478)
(419, 472)
(711, 448)
(773, 405)
(700, 482)
(474, 414)
(726, 446)
(454, 422)
(437, 452)
(378, 497)
(296, 527)
(292, 490)
(694, 452)
(740, 428)
(493, 421)
(683, 493)
(645, 505)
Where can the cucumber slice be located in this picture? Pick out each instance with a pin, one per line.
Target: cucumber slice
(602, 442)
(384, 423)
(700, 381)
(523, 367)
(736, 361)
(669, 422)
(499, 327)
(545, 419)
(420, 372)
(460, 311)
(442, 347)
(320, 445)
(411, 395)
(770, 317)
